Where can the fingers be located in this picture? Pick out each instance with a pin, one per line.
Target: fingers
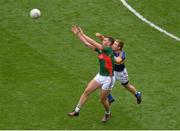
(74, 29)
(80, 30)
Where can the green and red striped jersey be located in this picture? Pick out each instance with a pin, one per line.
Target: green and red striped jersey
(106, 61)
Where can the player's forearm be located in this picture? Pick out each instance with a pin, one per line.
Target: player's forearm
(92, 42)
(85, 41)
(118, 60)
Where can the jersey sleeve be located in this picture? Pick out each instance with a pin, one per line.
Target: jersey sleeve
(123, 55)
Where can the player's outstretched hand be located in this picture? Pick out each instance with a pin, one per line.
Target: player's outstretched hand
(75, 29)
(80, 30)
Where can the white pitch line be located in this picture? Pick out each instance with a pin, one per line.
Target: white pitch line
(148, 22)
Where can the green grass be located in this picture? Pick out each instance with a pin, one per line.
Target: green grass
(44, 68)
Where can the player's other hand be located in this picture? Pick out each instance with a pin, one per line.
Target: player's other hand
(98, 34)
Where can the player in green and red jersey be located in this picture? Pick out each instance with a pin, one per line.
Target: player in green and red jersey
(104, 79)
(120, 71)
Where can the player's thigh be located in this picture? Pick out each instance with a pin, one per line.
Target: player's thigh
(92, 86)
(108, 83)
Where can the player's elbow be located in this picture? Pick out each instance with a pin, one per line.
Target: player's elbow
(119, 62)
(100, 47)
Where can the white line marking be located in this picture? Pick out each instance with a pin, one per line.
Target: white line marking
(148, 22)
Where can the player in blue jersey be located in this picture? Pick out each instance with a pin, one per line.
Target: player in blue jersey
(120, 71)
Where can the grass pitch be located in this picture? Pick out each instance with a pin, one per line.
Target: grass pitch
(44, 68)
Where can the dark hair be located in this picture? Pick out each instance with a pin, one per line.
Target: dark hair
(120, 43)
(111, 40)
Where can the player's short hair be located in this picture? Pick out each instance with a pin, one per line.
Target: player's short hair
(111, 39)
(120, 43)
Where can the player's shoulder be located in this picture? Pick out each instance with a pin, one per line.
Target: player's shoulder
(123, 52)
(107, 49)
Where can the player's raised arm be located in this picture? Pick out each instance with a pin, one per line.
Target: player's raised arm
(90, 40)
(77, 32)
(100, 36)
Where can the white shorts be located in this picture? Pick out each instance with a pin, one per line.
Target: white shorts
(122, 76)
(106, 82)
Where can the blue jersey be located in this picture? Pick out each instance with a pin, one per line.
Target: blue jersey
(119, 66)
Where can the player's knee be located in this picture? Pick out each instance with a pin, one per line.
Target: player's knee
(126, 84)
(103, 100)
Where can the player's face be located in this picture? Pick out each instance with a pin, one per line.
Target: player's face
(115, 46)
(106, 42)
